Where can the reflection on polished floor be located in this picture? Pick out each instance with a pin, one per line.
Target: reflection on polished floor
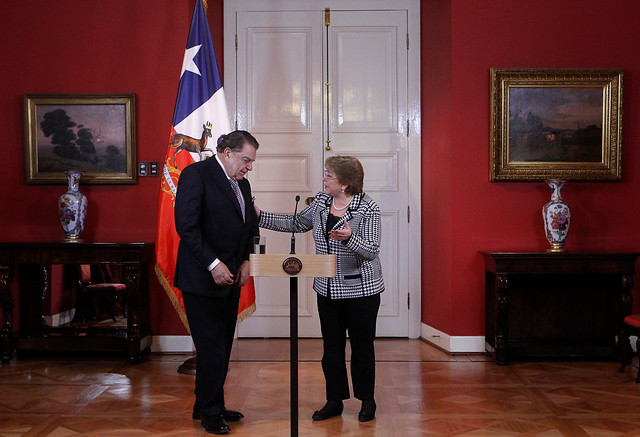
(420, 391)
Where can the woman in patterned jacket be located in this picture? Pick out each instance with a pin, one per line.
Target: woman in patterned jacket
(345, 222)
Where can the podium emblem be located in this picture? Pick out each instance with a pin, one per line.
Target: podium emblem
(292, 265)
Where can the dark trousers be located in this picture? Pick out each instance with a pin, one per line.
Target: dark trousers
(212, 321)
(356, 316)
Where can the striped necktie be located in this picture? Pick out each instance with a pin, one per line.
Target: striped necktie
(236, 189)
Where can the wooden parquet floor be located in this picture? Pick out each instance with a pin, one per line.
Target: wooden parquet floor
(420, 391)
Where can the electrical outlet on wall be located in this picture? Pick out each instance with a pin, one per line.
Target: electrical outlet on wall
(142, 169)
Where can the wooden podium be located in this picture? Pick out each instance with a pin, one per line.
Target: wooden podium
(293, 266)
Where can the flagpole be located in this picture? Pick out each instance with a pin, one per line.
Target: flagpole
(189, 366)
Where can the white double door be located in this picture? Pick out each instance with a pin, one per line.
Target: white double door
(309, 84)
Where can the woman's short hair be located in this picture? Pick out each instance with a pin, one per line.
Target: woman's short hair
(348, 171)
(235, 141)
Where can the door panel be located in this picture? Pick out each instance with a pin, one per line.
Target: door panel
(367, 59)
(280, 82)
(279, 74)
(301, 86)
(364, 69)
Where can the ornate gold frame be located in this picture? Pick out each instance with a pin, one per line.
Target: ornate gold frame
(504, 163)
(107, 111)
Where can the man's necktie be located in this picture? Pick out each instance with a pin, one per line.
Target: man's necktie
(236, 189)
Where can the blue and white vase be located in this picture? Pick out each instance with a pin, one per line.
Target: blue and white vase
(72, 207)
(557, 217)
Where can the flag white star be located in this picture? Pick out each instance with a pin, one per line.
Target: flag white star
(187, 63)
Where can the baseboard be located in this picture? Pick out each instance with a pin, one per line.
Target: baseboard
(172, 344)
(452, 344)
(61, 318)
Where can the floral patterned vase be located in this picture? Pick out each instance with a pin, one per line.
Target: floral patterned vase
(72, 207)
(557, 217)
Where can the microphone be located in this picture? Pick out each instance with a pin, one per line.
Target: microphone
(293, 227)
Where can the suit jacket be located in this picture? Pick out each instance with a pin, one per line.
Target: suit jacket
(359, 272)
(209, 222)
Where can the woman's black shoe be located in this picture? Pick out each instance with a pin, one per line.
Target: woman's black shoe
(368, 411)
(330, 409)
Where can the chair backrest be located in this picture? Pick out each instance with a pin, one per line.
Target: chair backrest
(85, 273)
(95, 273)
(106, 272)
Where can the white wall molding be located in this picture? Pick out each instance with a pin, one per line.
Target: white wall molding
(452, 344)
(172, 344)
(446, 342)
(61, 318)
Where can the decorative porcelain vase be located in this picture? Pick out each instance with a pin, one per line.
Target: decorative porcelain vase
(557, 217)
(72, 207)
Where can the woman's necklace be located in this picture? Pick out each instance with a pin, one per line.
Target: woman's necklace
(340, 209)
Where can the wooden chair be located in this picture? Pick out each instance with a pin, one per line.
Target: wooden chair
(631, 327)
(97, 294)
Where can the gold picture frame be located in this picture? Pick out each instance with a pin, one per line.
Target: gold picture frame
(92, 133)
(556, 124)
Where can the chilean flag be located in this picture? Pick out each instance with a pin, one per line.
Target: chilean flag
(200, 107)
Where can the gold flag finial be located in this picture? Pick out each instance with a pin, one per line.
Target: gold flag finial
(204, 3)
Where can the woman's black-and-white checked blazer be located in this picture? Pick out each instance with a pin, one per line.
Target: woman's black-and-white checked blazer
(359, 272)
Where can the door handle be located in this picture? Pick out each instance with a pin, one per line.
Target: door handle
(308, 200)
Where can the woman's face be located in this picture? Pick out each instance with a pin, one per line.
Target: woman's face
(332, 185)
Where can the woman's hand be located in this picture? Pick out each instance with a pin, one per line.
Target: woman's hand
(341, 234)
(255, 206)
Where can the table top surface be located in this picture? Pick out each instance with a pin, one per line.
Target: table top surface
(561, 262)
(68, 253)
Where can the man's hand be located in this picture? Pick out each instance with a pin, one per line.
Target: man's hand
(243, 274)
(221, 274)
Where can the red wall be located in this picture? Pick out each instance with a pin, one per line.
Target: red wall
(118, 46)
(125, 46)
(463, 212)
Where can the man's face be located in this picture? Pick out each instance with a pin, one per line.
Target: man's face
(240, 162)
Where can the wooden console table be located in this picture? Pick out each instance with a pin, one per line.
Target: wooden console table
(556, 304)
(31, 261)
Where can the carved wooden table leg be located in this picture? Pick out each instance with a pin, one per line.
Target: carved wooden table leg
(624, 309)
(501, 319)
(6, 301)
(132, 280)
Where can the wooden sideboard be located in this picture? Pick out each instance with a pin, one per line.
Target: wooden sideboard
(30, 262)
(556, 304)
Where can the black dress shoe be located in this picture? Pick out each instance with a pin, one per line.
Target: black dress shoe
(229, 415)
(367, 412)
(330, 409)
(232, 416)
(215, 424)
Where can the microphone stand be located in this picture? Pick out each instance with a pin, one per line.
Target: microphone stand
(293, 333)
(293, 228)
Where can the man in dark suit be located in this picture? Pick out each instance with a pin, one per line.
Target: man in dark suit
(216, 222)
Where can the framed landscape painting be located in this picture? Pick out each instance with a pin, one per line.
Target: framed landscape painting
(556, 124)
(92, 133)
